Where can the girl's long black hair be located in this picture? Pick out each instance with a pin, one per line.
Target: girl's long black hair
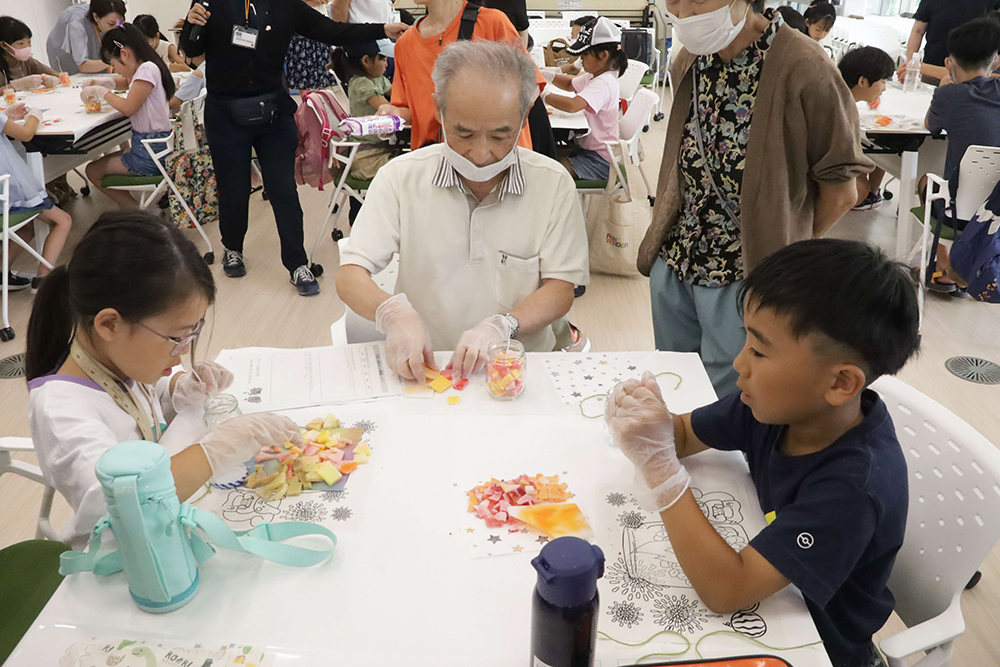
(11, 30)
(130, 37)
(129, 260)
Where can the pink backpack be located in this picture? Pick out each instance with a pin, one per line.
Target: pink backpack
(317, 118)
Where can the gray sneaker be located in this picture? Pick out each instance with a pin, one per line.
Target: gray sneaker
(305, 281)
(232, 263)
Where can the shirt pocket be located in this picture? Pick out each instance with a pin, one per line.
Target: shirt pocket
(517, 277)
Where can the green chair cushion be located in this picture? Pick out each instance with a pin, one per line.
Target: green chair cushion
(30, 577)
(597, 184)
(358, 184)
(647, 80)
(128, 181)
(947, 233)
(17, 218)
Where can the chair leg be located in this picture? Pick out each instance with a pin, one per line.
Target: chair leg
(44, 530)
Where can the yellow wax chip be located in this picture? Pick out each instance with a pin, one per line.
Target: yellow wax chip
(362, 448)
(440, 384)
(454, 400)
(329, 473)
(418, 391)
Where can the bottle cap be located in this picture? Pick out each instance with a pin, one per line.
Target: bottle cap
(568, 570)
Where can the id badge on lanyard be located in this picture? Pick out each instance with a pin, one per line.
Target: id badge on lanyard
(243, 35)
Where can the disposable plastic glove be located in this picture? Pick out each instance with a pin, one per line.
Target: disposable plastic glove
(239, 439)
(191, 394)
(32, 112)
(102, 81)
(643, 428)
(17, 111)
(30, 82)
(470, 355)
(91, 93)
(549, 73)
(49, 81)
(407, 341)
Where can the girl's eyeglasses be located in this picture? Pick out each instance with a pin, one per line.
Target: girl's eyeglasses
(180, 342)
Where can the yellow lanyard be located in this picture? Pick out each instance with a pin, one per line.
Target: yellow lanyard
(246, 11)
(123, 397)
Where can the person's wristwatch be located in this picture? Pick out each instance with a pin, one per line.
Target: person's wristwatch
(512, 325)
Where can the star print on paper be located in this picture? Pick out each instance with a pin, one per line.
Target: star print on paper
(588, 377)
(494, 538)
(542, 539)
(578, 362)
(518, 549)
(470, 530)
(577, 394)
(631, 368)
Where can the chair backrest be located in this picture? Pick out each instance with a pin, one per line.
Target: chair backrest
(549, 24)
(954, 513)
(630, 81)
(358, 329)
(191, 113)
(572, 16)
(535, 14)
(977, 176)
(637, 116)
(167, 144)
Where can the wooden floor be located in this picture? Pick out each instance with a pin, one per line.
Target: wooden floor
(262, 309)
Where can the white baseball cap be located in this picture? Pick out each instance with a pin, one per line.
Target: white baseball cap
(601, 31)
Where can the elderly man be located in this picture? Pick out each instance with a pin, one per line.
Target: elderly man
(490, 237)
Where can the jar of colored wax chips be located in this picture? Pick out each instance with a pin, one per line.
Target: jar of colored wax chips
(506, 367)
(93, 106)
(9, 96)
(221, 408)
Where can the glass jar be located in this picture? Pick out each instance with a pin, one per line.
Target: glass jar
(506, 370)
(221, 408)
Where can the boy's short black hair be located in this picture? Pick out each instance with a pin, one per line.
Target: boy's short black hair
(973, 45)
(869, 62)
(846, 290)
(583, 20)
(821, 13)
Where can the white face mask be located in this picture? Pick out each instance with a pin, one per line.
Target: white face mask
(704, 34)
(469, 169)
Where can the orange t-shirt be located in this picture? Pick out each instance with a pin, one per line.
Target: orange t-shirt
(412, 86)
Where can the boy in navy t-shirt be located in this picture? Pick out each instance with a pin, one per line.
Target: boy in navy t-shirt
(824, 319)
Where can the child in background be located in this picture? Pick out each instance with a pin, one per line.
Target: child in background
(576, 67)
(599, 45)
(17, 67)
(105, 333)
(824, 319)
(150, 86)
(968, 110)
(192, 86)
(866, 71)
(363, 67)
(147, 25)
(27, 194)
(819, 19)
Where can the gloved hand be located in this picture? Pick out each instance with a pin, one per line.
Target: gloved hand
(17, 111)
(407, 341)
(49, 81)
(238, 440)
(32, 112)
(190, 393)
(470, 355)
(30, 82)
(643, 429)
(549, 73)
(93, 93)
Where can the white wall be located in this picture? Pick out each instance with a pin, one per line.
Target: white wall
(167, 12)
(40, 15)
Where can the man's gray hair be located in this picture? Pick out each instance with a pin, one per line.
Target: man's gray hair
(492, 62)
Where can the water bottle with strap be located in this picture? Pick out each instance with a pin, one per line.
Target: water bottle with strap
(159, 539)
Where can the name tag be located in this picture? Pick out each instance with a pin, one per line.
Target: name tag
(245, 37)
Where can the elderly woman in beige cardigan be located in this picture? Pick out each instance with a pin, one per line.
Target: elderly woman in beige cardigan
(765, 154)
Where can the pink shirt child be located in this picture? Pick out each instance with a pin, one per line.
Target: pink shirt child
(601, 94)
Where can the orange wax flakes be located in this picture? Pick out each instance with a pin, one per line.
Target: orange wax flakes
(493, 500)
(883, 120)
(64, 79)
(554, 519)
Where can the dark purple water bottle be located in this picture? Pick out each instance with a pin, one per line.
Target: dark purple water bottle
(565, 604)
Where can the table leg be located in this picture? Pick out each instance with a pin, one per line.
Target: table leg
(37, 165)
(907, 188)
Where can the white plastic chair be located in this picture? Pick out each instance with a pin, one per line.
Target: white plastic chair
(626, 151)
(548, 24)
(352, 328)
(952, 524)
(151, 188)
(342, 156)
(978, 174)
(8, 464)
(629, 82)
(535, 14)
(9, 234)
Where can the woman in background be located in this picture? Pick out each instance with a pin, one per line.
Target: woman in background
(74, 45)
